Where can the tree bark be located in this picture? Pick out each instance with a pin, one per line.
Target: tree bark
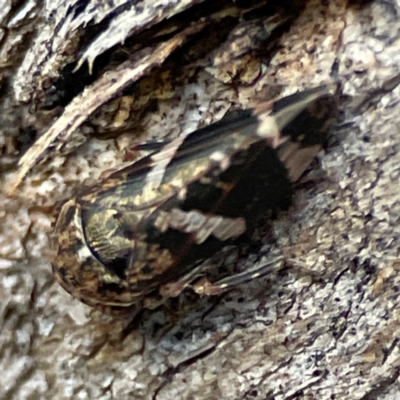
(83, 82)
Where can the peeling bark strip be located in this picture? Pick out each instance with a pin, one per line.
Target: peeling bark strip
(149, 225)
(85, 104)
(93, 90)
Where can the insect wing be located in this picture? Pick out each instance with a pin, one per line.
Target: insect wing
(154, 221)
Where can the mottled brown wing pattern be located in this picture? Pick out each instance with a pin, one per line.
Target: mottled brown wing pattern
(149, 226)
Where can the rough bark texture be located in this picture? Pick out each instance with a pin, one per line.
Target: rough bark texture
(164, 68)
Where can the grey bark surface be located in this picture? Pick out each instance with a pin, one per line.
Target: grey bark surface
(163, 68)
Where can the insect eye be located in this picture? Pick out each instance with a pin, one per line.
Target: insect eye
(108, 239)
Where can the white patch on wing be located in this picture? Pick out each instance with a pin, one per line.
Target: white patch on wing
(297, 159)
(84, 253)
(182, 193)
(268, 129)
(200, 225)
(221, 158)
(161, 161)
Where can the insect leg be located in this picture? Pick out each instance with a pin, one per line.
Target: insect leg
(174, 289)
(206, 287)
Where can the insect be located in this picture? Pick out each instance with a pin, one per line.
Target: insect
(142, 234)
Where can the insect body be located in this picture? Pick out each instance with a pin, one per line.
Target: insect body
(144, 231)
